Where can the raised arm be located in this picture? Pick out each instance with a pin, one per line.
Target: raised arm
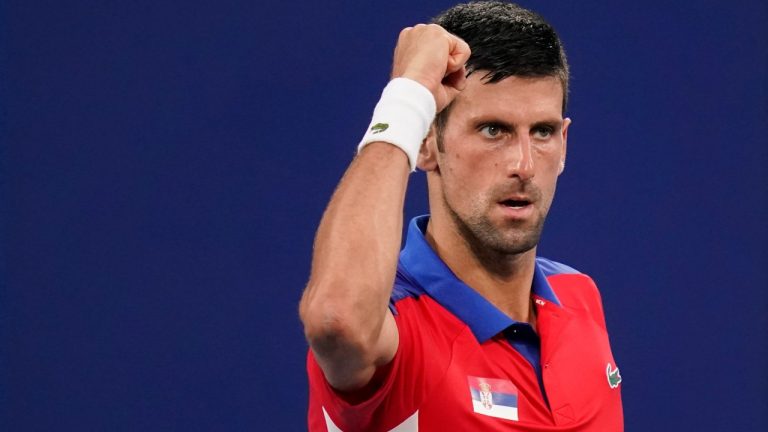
(344, 307)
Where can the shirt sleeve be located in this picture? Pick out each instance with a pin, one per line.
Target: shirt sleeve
(399, 386)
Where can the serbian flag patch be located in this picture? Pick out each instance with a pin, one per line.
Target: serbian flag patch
(493, 397)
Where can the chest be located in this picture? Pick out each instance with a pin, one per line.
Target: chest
(493, 385)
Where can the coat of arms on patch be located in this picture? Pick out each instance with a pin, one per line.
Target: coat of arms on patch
(493, 397)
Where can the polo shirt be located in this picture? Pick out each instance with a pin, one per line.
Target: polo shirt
(463, 365)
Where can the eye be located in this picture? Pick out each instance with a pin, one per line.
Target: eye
(491, 131)
(543, 132)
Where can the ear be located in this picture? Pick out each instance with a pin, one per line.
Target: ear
(566, 122)
(427, 160)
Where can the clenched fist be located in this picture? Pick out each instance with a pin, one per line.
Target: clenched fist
(430, 55)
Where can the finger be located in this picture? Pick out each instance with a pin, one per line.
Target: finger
(458, 54)
(461, 48)
(456, 79)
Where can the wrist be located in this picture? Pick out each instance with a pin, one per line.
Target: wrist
(402, 117)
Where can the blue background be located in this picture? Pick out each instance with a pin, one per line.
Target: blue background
(165, 164)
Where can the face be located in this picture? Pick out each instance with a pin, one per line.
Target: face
(503, 148)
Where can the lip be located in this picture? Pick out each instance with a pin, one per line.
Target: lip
(521, 212)
(516, 197)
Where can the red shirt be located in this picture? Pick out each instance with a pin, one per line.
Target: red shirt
(463, 365)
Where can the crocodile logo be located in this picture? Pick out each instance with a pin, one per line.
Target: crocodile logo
(614, 377)
(379, 127)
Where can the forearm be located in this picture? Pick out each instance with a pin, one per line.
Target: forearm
(355, 256)
(344, 307)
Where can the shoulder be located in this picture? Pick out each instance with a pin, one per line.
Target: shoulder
(420, 316)
(551, 268)
(562, 277)
(576, 290)
(404, 287)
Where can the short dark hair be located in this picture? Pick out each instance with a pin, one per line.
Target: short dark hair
(505, 40)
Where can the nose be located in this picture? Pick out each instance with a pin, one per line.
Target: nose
(520, 156)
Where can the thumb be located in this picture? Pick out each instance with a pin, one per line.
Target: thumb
(457, 79)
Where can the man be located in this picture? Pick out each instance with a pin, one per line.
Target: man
(466, 330)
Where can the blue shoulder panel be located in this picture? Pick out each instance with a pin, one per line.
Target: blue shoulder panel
(551, 268)
(404, 287)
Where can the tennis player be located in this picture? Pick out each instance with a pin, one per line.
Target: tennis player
(466, 328)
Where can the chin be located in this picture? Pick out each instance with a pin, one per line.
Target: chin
(515, 247)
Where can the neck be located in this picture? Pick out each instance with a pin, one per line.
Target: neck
(503, 279)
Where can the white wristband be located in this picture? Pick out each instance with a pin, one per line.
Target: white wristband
(402, 117)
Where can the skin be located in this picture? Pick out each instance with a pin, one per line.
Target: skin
(502, 140)
(344, 307)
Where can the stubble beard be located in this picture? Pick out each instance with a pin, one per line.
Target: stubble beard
(489, 241)
(484, 238)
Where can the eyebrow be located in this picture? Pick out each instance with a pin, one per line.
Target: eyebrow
(556, 123)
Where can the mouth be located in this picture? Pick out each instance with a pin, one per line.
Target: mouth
(517, 208)
(515, 203)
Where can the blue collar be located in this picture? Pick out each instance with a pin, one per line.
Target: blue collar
(428, 270)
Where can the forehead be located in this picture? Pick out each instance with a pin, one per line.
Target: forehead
(513, 98)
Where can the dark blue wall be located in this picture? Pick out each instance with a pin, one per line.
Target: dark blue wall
(164, 165)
